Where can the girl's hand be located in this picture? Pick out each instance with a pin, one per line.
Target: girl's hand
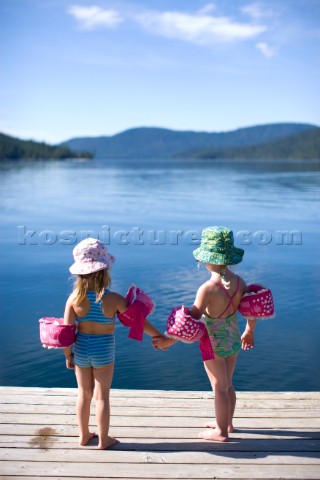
(162, 342)
(69, 362)
(247, 340)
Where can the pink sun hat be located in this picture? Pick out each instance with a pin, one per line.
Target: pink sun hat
(90, 256)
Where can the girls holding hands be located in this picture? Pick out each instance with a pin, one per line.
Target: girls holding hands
(212, 320)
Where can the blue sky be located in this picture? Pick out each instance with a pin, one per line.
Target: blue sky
(81, 67)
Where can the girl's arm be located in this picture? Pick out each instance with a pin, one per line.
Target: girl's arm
(247, 338)
(162, 342)
(199, 306)
(201, 302)
(149, 328)
(121, 302)
(69, 319)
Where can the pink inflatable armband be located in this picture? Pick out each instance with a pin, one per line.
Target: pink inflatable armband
(258, 302)
(54, 334)
(181, 326)
(140, 306)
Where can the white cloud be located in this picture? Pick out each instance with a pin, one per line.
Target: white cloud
(200, 28)
(93, 17)
(257, 11)
(266, 50)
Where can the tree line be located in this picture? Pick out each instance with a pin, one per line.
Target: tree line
(12, 148)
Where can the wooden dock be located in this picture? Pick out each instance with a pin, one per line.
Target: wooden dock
(277, 437)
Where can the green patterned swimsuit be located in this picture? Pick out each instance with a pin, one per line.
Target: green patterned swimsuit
(224, 332)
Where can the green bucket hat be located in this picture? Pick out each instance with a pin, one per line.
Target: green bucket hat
(217, 247)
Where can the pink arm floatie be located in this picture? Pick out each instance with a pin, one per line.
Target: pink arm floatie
(181, 326)
(258, 302)
(140, 306)
(54, 334)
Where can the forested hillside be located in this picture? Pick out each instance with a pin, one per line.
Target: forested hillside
(301, 146)
(12, 148)
(164, 143)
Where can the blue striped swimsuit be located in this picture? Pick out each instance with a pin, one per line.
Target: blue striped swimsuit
(94, 350)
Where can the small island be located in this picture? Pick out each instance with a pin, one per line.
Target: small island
(12, 148)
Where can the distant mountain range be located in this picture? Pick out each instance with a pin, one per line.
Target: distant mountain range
(300, 146)
(275, 141)
(261, 141)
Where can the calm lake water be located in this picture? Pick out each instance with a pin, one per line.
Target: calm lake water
(150, 214)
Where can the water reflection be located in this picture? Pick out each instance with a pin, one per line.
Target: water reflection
(165, 196)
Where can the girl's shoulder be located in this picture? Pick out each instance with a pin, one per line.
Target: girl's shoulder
(242, 285)
(111, 295)
(208, 287)
(71, 298)
(114, 299)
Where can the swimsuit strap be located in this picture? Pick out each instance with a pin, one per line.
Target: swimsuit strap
(230, 297)
(95, 310)
(91, 293)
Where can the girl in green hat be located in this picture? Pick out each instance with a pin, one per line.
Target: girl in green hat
(217, 302)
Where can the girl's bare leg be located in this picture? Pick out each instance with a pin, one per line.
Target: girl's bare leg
(231, 363)
(217, 372)
(103, 378)
(85, 392)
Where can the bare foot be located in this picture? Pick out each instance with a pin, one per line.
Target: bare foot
(110, 442)
(86, 439)
(214, 425)
(213, 435)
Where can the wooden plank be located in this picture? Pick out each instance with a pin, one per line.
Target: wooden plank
(159, 403)
(162, 421)
(115, 393)
(139, 431)
(6, 477)
(116, 410)
(164, 393)
(295, 442)
(31, 423)
(157, 471)
(255, 447)
(143, 394)
(158, 394)
(117, 456)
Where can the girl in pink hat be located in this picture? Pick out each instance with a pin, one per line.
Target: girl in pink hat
(94, 308)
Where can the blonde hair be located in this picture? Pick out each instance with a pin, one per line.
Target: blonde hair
(96, 281)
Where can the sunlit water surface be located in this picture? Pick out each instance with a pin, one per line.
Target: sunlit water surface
(151, 214)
